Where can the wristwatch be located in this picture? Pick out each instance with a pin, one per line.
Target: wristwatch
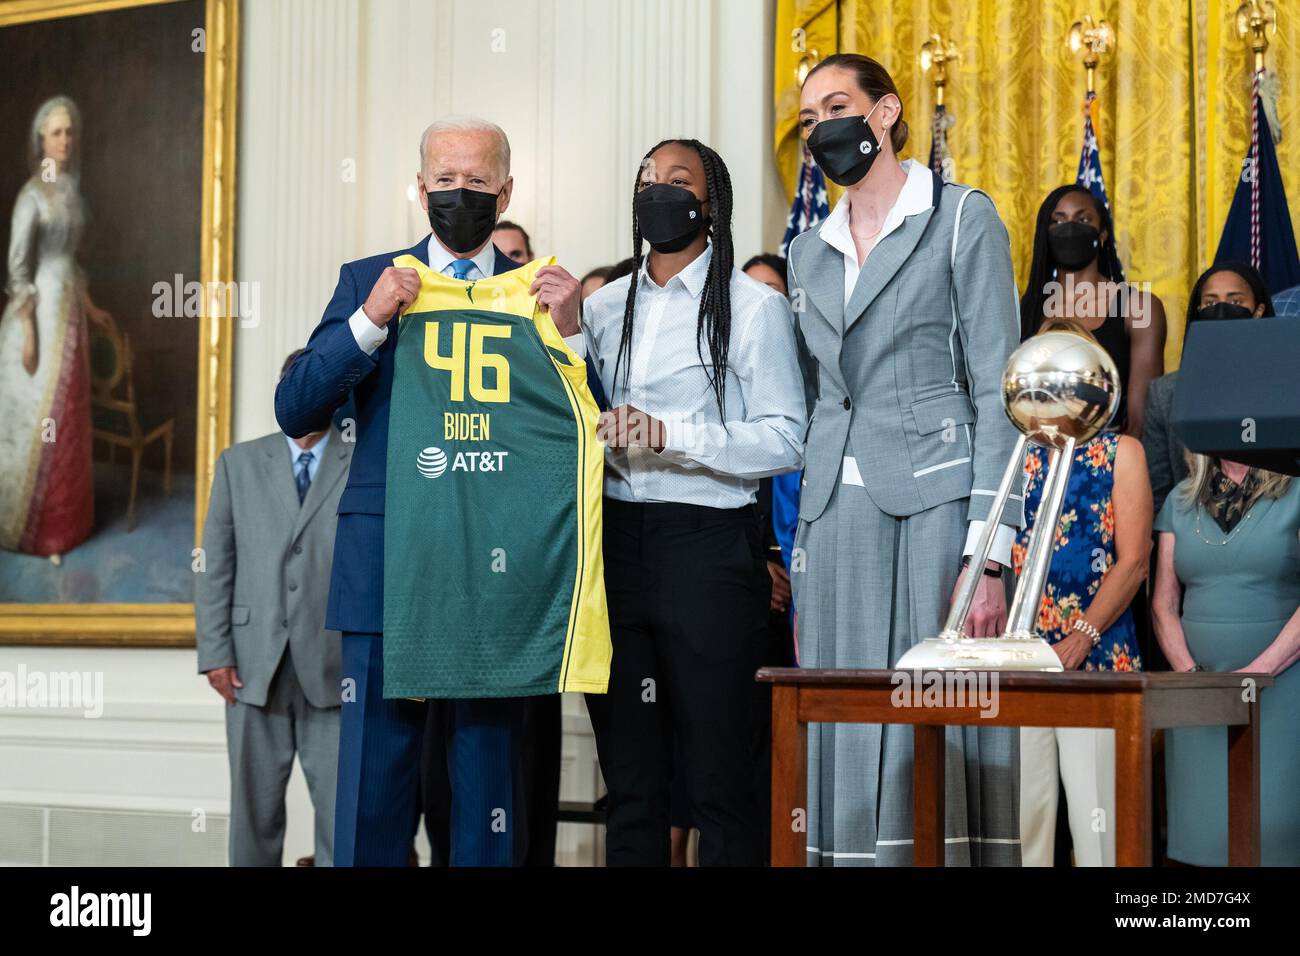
(965, 563)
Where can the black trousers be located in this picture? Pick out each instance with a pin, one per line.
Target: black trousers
(688, 593)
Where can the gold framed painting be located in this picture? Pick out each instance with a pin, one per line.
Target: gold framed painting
(117, 200)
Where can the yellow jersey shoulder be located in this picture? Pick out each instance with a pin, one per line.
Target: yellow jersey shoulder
(503, 293)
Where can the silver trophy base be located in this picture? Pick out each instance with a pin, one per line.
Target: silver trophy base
(981, 654)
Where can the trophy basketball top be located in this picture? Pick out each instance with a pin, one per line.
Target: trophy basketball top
(1060, 385)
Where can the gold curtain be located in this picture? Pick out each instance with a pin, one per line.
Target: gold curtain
(1174, 100)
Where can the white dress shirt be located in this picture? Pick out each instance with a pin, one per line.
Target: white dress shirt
(916, 196)
(370, 336)
(704, 461)
(316, 451)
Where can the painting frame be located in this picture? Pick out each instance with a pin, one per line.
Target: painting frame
(165, 624)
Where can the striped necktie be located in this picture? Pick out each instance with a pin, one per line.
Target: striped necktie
(303, 478)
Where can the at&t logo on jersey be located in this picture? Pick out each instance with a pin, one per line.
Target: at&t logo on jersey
(432, 462)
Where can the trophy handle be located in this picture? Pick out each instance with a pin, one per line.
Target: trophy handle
(1023, 614)
(954, 627)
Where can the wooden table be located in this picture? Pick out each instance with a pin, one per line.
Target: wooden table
(1133, 704)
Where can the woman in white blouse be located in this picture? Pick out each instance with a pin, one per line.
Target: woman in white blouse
(700, 366)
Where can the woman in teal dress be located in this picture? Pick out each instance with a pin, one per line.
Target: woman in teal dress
(1230, 536)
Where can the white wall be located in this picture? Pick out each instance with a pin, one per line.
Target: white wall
(328, 87)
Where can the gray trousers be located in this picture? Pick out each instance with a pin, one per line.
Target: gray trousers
(873, 586)
(262, 742)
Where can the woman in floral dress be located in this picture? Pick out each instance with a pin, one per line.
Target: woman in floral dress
(1099, 560)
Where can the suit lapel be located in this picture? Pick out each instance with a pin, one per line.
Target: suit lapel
(821, 273)
(280, 478)
(502, 263)
(421, 249)
(332, 467)
(883, 263)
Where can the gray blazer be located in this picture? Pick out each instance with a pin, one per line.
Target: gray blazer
(909, 376)
(267, 569)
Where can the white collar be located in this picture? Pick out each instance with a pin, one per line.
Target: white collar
(317, 449)
(916, 196)
(440, 258)
(692, 277)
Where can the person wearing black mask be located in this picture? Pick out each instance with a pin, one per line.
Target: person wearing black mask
(908, 321)
(1226, 290)
(1076, 274)
(700, 366)
(465, 187)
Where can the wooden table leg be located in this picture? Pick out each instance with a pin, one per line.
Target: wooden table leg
(1132, 825)
(1244, 790)
(927, 794)
(789, 779)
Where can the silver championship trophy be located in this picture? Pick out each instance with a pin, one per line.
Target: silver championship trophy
(1060, 389)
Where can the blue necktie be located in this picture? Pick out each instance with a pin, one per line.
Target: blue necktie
(304, 475)
(460, 268)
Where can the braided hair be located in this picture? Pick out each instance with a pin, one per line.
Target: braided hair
(1042, 270)
(714, 322)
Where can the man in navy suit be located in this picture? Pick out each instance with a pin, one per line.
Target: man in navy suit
(465, 187)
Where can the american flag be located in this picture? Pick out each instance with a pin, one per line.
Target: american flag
(811, 203)
(1090, 159)
(940, 158)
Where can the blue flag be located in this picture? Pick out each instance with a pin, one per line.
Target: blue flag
(811, 203)
(1258, 228)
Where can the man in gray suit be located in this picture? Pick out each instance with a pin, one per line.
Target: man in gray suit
(259, 604)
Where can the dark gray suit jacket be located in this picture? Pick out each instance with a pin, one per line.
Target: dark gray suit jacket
(267, 569)
(1166, 464)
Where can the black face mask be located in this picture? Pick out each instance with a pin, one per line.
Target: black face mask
(1219, 311)
(669, 217)
(1073, 244)
(462, 219)
(844, 147)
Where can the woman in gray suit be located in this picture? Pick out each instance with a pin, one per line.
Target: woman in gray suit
(908, 317)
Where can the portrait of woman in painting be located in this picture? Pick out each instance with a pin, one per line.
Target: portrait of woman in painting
(47, 503)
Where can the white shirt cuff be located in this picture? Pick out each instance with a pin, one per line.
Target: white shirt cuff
(577, 344)
(368, 335)
(1002, 540)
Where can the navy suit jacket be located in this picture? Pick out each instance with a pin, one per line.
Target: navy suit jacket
(333, 372)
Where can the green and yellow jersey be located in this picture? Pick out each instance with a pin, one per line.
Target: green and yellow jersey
(493, 572)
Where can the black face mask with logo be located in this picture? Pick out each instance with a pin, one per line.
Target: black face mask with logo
(462, 219)
(845, 147)
(1219, 311)
(668, 216)
(1073, 244)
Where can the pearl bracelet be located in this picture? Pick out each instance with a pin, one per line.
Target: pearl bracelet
(1081, 624)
